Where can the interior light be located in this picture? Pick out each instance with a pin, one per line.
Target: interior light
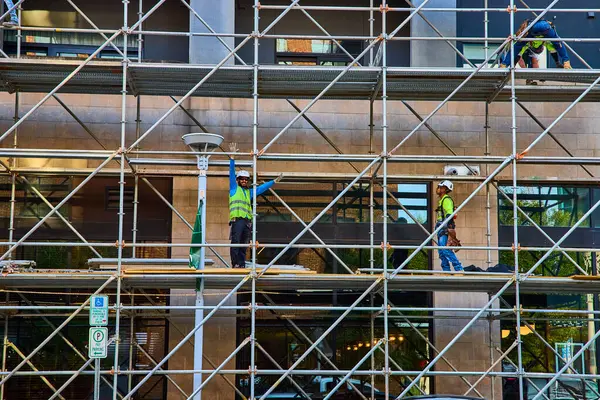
(401, 338)
(360, 344)
(525, 330)
(505, 333)
(348, 348)
(392, 338)
(355, 348)
(367, 344)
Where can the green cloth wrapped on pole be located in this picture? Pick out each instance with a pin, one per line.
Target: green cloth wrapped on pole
(196, 239)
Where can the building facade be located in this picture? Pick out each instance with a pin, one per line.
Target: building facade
(554, 196)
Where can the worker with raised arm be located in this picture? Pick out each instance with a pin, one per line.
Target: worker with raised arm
(546, 33)
(447, 235)
(240, 208)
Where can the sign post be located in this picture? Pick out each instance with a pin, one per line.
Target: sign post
(98, 337)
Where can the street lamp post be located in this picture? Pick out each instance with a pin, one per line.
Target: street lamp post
(205, 143)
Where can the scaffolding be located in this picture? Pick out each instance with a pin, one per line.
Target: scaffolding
(378, 83)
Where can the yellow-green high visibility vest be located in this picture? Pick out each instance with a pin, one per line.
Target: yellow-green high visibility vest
(444, 209)
(239, 204)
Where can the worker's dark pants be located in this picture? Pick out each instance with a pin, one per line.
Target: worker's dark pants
(240, 233)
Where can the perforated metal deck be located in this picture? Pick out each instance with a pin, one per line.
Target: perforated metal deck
(275, 82)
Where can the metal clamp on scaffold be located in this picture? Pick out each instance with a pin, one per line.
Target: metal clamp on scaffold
(387, 245)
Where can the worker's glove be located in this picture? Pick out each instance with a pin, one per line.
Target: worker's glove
(567, 65)
(503, 66)
(280, 177)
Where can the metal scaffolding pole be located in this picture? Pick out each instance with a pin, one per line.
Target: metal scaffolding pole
(515, 202)
(54, 333)
(121, 213)
(385, 243)
(34, 368)
(4, 345)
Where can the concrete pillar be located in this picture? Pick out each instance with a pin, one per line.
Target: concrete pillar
(433, 53)
(472, 351)
(220, 16)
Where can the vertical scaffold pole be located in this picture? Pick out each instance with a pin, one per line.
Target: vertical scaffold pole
(256, 30)
(513, 100)
(13, 164)
(371, 206)
(4, 346)
(117, 340)
(371, 33)
(140, 39)
(384, 127)
(131, 340)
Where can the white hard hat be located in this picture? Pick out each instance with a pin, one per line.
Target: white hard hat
(447, 184)
(243, 174)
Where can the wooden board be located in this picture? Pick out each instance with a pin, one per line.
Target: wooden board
(586, 277)
(214, 271)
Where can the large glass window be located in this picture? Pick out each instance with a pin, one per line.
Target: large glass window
(548, 206)
(308, 200)
(563, 336)
(347, 222)
(316, 52)
(93, 211)
(283, 336)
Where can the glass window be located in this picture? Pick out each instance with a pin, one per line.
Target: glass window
(308, 200)
(73, 55)
(475, 52)
(550, 206)
(596, 213)
(414, 198)
(318, 46)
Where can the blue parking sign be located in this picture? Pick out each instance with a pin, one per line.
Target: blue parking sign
(99, 310)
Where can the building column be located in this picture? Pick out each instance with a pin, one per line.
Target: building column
(472, 351)
(220, 16)
(430, 53)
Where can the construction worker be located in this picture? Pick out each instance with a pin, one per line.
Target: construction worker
(545, 31)
(240, 209)
(14, 19)
(444, 210)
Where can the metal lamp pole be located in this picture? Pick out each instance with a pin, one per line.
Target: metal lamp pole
(200, 142)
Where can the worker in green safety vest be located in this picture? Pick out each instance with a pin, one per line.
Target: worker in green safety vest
(545, 32)
(447, 234)
(240, 209)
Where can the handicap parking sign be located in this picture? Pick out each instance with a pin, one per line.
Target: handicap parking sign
(99, 310)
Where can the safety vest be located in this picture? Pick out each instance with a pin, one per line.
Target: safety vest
(440, 210)
(239, 204)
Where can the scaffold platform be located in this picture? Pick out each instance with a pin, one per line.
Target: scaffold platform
(299, 82)
(286, 280)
